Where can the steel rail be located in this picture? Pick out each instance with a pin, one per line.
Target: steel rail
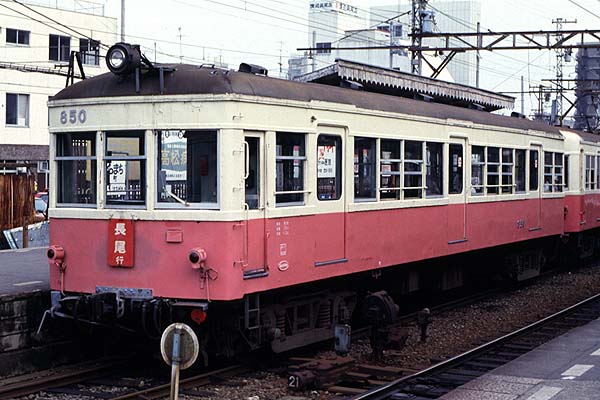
(385, 391)
(34, 385)
(191, 382)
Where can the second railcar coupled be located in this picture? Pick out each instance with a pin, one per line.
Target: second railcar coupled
(264, 211)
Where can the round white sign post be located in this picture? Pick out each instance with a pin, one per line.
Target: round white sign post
(179, 348)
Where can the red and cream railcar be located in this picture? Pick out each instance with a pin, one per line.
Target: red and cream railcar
(582, 195)
(267, 197)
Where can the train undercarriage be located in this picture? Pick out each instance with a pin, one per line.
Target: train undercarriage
(290, 318)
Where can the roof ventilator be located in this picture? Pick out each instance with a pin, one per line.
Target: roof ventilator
(253, 69)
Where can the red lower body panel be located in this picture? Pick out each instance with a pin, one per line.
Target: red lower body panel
(293, 250)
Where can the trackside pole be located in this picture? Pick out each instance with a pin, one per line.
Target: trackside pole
(175, 365)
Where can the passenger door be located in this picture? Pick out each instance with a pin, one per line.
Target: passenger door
(457, 191)
(330, 226)
(254, 229)
(536, 184)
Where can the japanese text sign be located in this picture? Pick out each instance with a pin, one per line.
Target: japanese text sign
(120, 243)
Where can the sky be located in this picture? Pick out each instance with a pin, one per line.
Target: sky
(267, 32)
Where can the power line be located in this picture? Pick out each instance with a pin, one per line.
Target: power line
(585, 9)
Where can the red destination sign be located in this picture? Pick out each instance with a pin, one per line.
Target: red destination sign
(120, 243)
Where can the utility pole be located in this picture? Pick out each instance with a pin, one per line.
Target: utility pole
(418, 7)
(522, 95)
(180, 50)
(561, 57)
(313, 53)
(478, 59)
(122, 20)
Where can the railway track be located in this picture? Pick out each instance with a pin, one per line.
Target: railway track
(445, 376)
(104, 379)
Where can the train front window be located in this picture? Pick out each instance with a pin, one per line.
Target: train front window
(289, 173)
(76, 168)
(125, 166)
(187, 167)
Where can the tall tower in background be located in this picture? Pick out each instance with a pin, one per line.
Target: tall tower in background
(587, 114)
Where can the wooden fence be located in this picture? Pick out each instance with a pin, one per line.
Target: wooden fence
(16, 200)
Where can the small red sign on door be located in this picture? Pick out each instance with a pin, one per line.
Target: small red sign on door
(120, 243)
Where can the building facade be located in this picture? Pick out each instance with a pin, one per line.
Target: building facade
(34, 57)
(587, 114)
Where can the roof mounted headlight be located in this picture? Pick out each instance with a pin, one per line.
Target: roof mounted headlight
(123, 58)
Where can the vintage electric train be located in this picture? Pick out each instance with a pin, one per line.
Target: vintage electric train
(264, 211)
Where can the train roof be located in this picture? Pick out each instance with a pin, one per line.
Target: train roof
(192, 79)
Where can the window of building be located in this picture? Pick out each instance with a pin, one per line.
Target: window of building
(60, 48)
(187, 167)
(76, 168)
(90, 51)
(329, 167)
(17, 36)
(455, 166)
(290, 161)
(17, 109)
(324, 48)
(553, 172)
(534, 163)
(477, 169)
(434, 169)
(125, 166)
(364, 169)
(520, 170)
(390, 169)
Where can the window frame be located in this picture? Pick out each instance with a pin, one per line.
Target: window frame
(190, 205)
(60, 39)
(18, 96)
(18, 34)
(93, 158)
(302, 159)
(89, 50)
(143, 167)
(553, 174)
(358, 165)
(339, 170)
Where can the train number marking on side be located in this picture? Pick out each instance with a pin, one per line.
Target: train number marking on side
(283, 249)
(73, 116)
(520, 223)
(293, 382)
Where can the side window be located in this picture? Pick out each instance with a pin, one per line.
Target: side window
(567, 173)
(520, 170)
(455, 166)
(187, 167)
(390, 169)
(493, 170)
(290, 161)
(364, 168)
(507, 170)
(125, 166)
(329, 167)
(60, 48)
(534, 164)
(590, 172)
(553, 172)
(413, 169)
(435, 175)
(558, 172)
(477, 168)
(76, 168)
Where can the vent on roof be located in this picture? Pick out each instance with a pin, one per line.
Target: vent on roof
(253, 69)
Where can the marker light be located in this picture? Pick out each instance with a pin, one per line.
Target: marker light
(123, 58)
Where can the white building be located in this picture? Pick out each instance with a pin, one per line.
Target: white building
(32, 40)
(336, 24)
(450, 16)
(342, 24)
